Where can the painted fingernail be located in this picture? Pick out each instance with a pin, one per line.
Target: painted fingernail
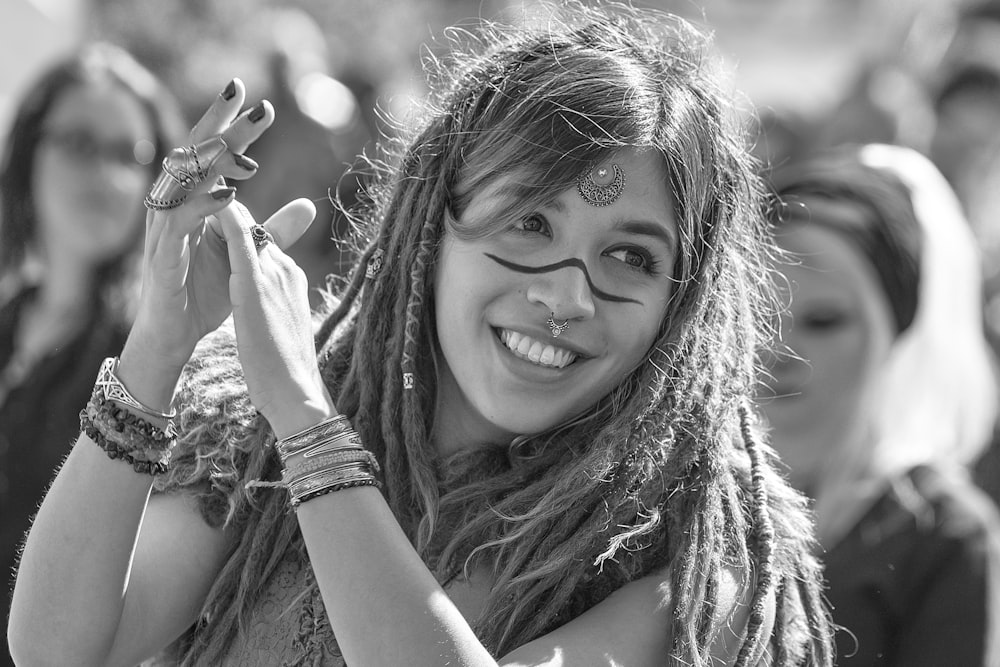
(223, 194)
(230, 90)
(257, 112)
(244, 162)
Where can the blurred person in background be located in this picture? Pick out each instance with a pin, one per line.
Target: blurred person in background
(780, 136)
(308, 152)
(965, 146)
(885, 394)
(85, 142)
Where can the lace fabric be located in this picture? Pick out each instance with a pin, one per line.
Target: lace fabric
(289, 627)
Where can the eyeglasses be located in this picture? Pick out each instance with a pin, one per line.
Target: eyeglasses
(83, 148)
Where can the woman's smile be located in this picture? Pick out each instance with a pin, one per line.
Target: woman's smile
(535, 351)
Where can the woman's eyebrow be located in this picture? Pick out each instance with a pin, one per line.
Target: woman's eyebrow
(648, 228)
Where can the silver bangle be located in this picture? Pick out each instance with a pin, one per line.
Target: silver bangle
(320, 433)
(111, 388)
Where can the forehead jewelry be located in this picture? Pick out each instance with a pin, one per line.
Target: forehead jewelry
(602, 185)
(555, 327)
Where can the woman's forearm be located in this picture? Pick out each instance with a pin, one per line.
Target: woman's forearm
(75, 565)
(384, 605)
(69, 594)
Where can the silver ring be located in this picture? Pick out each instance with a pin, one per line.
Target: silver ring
(182, 170)
(261, 237)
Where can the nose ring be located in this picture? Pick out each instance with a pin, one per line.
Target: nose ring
(555, 327)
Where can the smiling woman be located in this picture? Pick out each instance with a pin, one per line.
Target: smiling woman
(521, 434)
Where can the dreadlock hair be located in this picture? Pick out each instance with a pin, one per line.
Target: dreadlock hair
(666, 470)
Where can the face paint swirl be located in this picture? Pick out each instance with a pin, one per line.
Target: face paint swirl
(562, 264)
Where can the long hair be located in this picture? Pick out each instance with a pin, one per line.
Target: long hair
(98, 62)
(667, 470)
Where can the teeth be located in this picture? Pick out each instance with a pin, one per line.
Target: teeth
(523, 346)
(536, 351)
(548, 354)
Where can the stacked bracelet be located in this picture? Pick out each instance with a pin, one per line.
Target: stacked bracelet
(110, 421)
(325, 458)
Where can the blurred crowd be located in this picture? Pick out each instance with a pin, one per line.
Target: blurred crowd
(880, 393)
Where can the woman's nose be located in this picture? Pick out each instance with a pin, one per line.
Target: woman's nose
(565, 292)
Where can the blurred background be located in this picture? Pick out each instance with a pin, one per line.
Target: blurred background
(807, 74)
(799, 55)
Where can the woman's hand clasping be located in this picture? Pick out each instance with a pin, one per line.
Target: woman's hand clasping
(274, 326)
(186, 269)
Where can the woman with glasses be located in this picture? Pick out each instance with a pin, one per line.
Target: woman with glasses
(83, 146)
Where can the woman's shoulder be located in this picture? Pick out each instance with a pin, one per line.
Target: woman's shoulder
(950, 503)
(632, 625)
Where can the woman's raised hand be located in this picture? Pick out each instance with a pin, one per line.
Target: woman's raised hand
(273, 320)
(186, 270)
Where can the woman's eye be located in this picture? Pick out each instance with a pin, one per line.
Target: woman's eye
(823, 320)
(634, 257)
(534, 223)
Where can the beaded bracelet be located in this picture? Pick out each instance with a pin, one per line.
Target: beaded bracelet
(370, 481)
(116, 451)
(122, 433)
(328, 481)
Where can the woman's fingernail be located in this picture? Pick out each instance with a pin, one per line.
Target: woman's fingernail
(223, 194)
(230, 90)
(257, 112)
(244, 162)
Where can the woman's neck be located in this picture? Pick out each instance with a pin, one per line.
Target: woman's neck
(58, 310)
(458, 425)
(66, 289)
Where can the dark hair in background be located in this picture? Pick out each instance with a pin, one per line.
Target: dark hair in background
(887, 233)
(97, 62)
(664, 469)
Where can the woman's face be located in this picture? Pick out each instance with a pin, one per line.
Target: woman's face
(90, 174)
(839, 330)
(606, 270)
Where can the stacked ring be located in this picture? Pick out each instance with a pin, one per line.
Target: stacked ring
(183, 169)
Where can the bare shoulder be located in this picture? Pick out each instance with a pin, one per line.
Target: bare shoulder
(632, 627)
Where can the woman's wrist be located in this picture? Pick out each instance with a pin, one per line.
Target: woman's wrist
(149, 377)
(306, 413)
